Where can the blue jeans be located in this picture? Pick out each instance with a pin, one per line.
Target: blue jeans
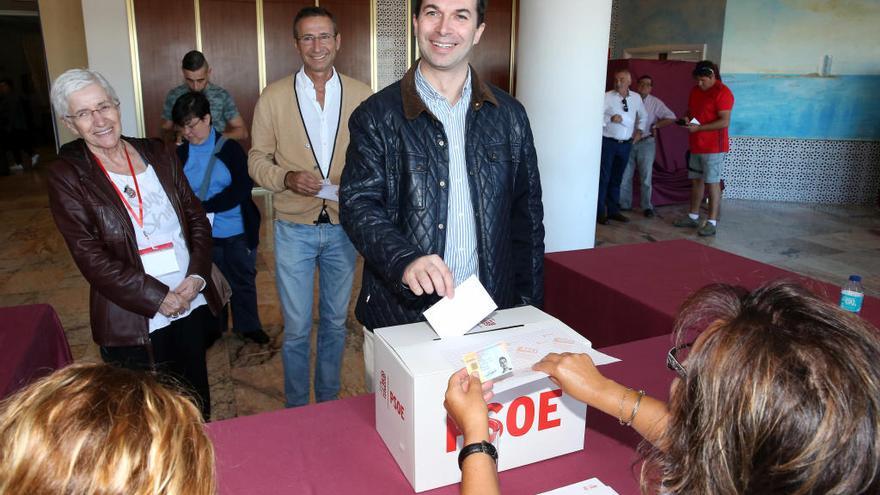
(641, 157)
(615, 155)
(299, 248)
(238, 264)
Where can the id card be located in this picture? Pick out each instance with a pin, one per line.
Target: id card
(159, 260)
(490, 362)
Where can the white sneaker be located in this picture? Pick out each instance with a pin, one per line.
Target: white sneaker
(16, 167)
(35, 159)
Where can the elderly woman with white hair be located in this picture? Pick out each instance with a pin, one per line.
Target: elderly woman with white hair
(137, 233)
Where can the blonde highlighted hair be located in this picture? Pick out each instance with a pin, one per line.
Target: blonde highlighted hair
(97, 429)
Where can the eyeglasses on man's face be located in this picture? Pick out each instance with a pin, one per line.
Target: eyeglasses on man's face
(674, 358)
(323, 38)
(106, 109)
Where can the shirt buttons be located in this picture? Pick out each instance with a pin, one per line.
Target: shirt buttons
(441, 226)
(441, 142)
(442, 183)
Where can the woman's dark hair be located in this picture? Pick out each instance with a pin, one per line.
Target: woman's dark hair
(189, 105)
(781, 396)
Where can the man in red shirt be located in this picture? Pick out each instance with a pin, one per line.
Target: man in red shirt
(707, 120)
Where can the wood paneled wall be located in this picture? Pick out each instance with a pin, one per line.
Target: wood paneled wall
(281, 56)
(229, 42)
(166, 30)
(492, 55)
(353, 22)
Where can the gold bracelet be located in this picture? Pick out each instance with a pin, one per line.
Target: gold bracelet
(620, 408)
(635, 410)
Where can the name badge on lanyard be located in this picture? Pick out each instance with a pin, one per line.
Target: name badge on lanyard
(159, 260)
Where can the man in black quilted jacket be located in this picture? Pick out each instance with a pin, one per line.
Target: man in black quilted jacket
(441, 182)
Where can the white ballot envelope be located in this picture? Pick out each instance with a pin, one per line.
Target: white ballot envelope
(328, 191)
(455, 317)
(694, 121)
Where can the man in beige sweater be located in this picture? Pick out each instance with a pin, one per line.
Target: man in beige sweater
(300, 134)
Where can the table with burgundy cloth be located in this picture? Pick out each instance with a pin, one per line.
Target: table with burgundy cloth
(333, 447)
(623, 293)
(32, 344)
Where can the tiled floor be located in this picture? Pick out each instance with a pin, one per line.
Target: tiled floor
(825, 242)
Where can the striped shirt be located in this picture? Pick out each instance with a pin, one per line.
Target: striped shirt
(460, 254)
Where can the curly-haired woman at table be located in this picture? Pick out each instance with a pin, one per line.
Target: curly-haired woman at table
(97, 429)
(779, 394)
(137, 233)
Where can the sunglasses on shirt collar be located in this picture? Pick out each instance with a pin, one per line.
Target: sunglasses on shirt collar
(625, 106)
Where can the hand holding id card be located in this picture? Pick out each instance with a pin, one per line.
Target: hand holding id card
(490, 362)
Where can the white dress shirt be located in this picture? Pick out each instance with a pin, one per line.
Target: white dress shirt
(460, 254)
(655, 110)
(633, 115)
(321, 123)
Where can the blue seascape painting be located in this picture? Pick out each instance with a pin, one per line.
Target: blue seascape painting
(845, 107)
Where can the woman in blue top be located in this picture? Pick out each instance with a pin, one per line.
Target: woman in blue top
(217, 172)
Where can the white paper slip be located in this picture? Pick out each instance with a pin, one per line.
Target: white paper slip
(455, 317)
(525, 348)
(328, 191)
(694, 121)
(530, 347)
(591, 486)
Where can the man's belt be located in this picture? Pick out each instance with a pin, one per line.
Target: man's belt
(618, 141)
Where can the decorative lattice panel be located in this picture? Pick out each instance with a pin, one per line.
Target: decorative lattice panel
(391, 19)
(615, 26)
(810, 171)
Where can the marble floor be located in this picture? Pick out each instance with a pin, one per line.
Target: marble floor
(824, 242)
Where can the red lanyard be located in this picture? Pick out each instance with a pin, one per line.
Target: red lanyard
(138, 219)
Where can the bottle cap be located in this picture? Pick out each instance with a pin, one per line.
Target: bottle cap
(855, 278)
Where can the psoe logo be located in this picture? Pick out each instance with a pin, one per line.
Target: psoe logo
(383, 384)
(517, 418)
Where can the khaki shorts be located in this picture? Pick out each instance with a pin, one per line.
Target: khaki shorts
(706, 166)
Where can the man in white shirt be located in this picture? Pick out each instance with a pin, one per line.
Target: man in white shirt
(623, 124)
(300, 135)
(658, 115)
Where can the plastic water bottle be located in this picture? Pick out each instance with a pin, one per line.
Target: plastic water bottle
(852, 294)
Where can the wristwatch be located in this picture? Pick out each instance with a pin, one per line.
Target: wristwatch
(484, 447)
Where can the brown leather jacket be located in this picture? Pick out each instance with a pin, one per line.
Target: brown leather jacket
(101, 238)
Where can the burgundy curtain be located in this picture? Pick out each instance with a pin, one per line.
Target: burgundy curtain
(672, 84)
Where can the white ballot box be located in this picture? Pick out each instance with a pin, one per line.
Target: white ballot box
(533, 419)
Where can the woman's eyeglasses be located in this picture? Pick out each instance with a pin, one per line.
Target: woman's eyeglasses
(674, 358)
